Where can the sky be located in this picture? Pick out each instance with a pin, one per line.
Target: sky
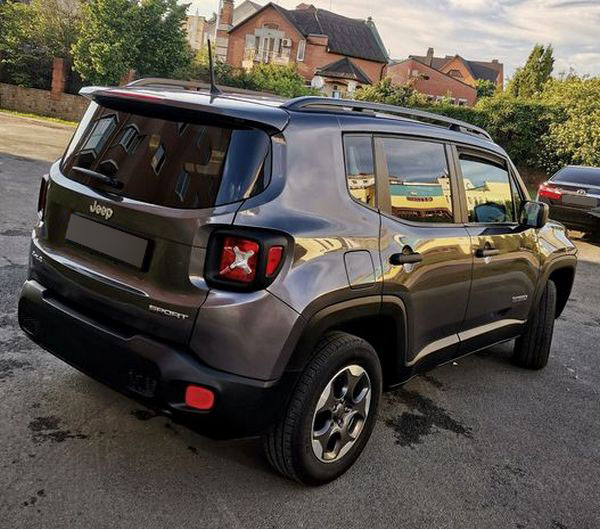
(475, 29)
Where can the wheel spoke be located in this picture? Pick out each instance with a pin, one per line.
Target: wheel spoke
(340, 413)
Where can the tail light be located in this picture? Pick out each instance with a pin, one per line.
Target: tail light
(547, 190)
(244, 260)
(42, 195)
(238, 259)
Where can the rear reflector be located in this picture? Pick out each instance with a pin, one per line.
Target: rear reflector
(42, 196)
(238, 259)
(549, 191)
(199, 398)
(273, 259)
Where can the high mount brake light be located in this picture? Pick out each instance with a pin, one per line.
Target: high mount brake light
(134, 95)
(43, 193)
(549, 191)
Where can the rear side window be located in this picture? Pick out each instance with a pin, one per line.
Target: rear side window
(360, 168)
(169, 163)
(488, 190)
(419, 181)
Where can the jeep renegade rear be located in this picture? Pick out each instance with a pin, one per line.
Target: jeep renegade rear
(259, 266)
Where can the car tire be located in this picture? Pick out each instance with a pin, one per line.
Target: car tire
(532, 349)
(333, 410)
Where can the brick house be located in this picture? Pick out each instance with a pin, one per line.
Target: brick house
(464, 70)
(334, 53)
(431, 82)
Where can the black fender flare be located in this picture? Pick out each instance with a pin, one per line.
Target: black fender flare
(308, 330)
(563, 262)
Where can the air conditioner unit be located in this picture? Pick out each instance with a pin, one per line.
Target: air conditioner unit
(286, 43)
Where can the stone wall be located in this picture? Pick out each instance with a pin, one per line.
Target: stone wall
(42, 102)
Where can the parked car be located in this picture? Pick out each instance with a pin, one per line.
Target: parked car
(263, 266)
(573, 194)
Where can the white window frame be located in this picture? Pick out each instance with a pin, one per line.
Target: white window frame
(301, 51)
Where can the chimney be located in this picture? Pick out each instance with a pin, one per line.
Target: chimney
(305, 6)
(494, 61)
(430, 56)
(225, 22)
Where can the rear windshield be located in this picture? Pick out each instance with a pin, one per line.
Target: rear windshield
(170, 163)
(582, 176)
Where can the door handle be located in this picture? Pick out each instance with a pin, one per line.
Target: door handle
(487, 251)
(409, 257)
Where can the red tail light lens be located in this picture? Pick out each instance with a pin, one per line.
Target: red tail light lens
(274, 257)
(199, 398)
(239, 259)
(42, 196)
(549, 191)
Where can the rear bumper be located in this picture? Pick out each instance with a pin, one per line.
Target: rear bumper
(152, 372)
(573, 217)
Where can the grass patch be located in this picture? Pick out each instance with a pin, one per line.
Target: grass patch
(38, 117)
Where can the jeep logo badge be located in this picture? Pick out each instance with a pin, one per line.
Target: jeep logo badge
(101, 210)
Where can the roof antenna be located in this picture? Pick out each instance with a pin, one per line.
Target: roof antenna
(214, 89)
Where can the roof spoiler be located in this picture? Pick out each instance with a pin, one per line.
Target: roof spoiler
(186, 105)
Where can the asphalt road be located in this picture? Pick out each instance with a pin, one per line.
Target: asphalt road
(480, 444)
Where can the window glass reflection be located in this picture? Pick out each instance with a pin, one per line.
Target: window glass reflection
(419, 181)
(488, 190)
(360, 168)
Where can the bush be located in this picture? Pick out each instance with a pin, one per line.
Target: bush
(280, 80)
(391, 94)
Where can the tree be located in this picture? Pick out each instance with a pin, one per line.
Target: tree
(118, 35)
(529, 80)
(31, 34)
(485, 88)
(385, 91)
(162, 45)
(281, 80)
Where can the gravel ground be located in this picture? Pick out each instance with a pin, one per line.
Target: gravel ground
(479, 444)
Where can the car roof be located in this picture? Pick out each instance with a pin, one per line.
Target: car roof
(275, 112)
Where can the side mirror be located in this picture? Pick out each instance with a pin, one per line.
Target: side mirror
(534, 214)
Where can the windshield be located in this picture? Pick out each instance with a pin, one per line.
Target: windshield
(170, 163)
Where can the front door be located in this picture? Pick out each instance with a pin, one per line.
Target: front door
(425, 252)
(505, 262)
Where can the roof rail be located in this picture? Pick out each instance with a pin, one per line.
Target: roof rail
(198, 86)
(316, 103)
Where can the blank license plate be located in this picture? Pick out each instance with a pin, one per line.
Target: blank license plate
(106, 240)
(579, 200)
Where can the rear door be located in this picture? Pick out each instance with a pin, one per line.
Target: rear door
(505, 262)
(425, 250)
(130, 209)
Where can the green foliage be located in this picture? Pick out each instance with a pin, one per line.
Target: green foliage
(485, 88)
(529, 80)
(162, 44)
(118, 35)
(392, 94)
(280, 80)
(31, 34)
(575, 139)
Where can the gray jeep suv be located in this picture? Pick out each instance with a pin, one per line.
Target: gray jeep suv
(255, 266)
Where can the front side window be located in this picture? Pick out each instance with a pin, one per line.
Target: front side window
(419, 181)
(360, 168)
(488, 190)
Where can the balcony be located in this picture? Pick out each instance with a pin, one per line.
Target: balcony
(253, 56)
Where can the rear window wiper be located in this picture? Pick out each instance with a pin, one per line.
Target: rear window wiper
(99, 176)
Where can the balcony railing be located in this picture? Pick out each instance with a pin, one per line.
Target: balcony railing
(253, 56)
